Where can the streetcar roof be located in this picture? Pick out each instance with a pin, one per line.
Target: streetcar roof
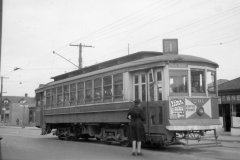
(136, 59)
(185, 58)
(109, 63)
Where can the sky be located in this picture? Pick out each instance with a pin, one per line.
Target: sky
(33, 29)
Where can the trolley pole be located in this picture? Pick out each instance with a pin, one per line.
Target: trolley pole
(80, 52)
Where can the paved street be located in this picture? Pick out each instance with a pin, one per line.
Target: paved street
(28, 144)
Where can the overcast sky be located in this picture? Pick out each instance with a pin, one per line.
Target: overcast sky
(32, 29)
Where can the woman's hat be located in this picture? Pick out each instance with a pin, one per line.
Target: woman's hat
(137, 101)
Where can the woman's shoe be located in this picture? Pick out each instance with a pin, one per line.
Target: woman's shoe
(139, 154)
(133, 153)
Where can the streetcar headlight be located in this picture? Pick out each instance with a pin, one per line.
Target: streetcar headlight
(200, 111)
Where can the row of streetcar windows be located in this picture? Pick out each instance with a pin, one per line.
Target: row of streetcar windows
(198, 79)
(101, 89)
(110, 88)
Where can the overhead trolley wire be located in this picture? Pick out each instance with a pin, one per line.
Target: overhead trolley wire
(121, 21)
(196, 22)
(216, 18)
(125, 28)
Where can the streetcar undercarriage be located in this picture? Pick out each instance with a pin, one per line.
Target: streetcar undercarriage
(119, 134)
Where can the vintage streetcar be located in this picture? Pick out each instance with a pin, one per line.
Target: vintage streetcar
(178, 94)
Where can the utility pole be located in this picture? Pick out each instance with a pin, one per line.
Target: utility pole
(1, 15)
(80, 53)
(1, 12)
(2, 95)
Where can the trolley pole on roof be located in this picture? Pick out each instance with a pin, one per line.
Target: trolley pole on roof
(64, 58)
(80, 52)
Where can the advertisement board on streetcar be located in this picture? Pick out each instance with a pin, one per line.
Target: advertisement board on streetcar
(186, 108)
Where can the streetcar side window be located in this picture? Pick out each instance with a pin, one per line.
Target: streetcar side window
(66, 95)
(88, 91)
(59, 96)
(48, 98)
(98, 90)
(140, 91)
(211, 82)
(178, 81)
(159, 76)
(136, 87)
(80, 93)
(73, 94)
(53, 99)
(197, 81)
(107, 88)
(118, 86)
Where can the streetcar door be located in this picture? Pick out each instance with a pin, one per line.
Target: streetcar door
(155, 104)
(155, 85)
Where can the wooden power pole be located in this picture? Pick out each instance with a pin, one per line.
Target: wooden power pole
(1, 96)
(80, 53)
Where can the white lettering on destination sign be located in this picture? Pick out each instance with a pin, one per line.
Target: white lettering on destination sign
(176, 102)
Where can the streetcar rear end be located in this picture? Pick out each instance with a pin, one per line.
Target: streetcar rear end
(183, 103)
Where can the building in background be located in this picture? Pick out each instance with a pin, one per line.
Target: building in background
(18, 110)
(229, 105)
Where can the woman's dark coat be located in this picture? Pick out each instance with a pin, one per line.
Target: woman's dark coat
(137, 132)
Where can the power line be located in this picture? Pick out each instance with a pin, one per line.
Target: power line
(185, 27)
(197, 24)
(211, 44)
(217, 17)
(120, 21)
(110, 32)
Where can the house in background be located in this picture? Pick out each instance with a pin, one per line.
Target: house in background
(219, 81)
(19, 110)
(229, 105)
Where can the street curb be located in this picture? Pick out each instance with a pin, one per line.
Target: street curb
(16, 127)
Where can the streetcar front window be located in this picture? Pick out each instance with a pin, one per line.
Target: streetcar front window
(197, 81)
(178, 81)
(211, 82)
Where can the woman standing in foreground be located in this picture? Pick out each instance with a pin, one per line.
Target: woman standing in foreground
(136, 115)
